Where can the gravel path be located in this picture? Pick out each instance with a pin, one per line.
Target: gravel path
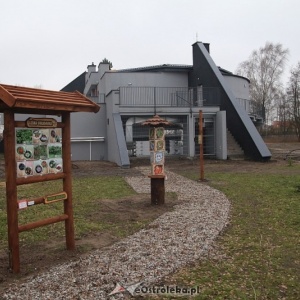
(175, 239)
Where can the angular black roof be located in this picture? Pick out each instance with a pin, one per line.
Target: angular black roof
(78, 84)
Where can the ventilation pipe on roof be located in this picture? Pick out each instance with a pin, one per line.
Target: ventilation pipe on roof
(91, 68)
(102, 68)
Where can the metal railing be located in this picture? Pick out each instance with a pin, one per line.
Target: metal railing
(250, 106)
(169, 97)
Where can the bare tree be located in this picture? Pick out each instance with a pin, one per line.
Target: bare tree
(264, 69)
(293, 95)
(283, 118)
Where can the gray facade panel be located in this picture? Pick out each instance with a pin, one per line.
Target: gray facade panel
(221, 135)
(238, 86)
(112, 81)
(121, 143)
(80, 151)
(88, 124)
(88, 150)
(84, 125)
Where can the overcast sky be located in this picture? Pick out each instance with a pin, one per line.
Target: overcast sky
(49, 43)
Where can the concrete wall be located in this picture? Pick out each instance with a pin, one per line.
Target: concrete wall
(116, 144)
(92, 78)
(88, 150)
(85, 124)
(239, 86)
(221, 135)
(113, 80)
(89, 125)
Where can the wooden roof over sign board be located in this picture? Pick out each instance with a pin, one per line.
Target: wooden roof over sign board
(30, 100)
(156, 121)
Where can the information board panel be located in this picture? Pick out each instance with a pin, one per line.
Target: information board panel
(38, 151)
(157, 150)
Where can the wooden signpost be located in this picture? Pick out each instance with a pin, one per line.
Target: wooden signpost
(38, 150)
(157, 158)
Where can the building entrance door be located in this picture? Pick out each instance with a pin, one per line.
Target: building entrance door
(209, 144)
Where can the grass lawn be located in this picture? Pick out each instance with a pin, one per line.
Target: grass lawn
(259, 252)
(86, 192)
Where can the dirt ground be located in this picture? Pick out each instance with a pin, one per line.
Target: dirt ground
(41, 256)
(38, 257)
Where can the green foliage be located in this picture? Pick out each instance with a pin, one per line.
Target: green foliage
(106, 61)
(40, 151)
(55, 151)
(290, 161)
(23, 136)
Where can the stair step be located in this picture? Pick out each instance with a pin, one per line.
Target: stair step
(233, 148)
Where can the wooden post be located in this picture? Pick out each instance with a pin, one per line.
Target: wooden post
(201, 145)
(157, 190)
(11, 191)
(157, 158)
(67, 181)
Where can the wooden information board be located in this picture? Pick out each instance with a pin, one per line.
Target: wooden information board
(38, 150)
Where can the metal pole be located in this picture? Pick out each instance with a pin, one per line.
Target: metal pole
(201, 145)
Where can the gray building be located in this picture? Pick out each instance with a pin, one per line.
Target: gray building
(175, 92)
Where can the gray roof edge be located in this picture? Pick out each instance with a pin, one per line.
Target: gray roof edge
(157, 67)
